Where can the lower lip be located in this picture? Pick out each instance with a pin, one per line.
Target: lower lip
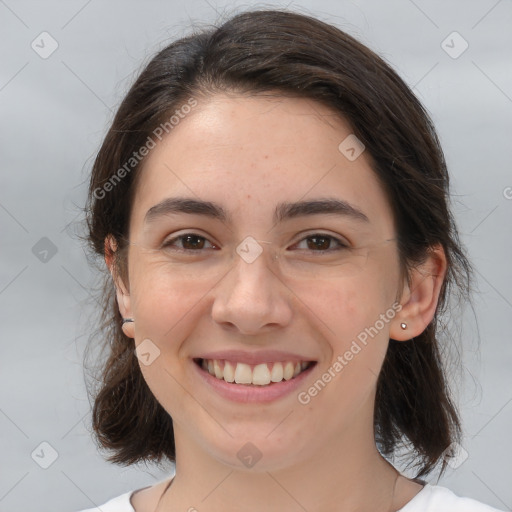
(252, 393)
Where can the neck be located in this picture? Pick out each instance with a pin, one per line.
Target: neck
(348, 475)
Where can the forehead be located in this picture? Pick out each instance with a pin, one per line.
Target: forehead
(243, 151)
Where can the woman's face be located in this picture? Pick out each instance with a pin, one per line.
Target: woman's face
(286, 293)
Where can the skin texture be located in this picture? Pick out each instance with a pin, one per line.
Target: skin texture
(249, 153)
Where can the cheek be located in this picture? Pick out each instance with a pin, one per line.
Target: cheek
(358, 341)
(163, 304)
(353, 305)
(161, 300)
(358, 315)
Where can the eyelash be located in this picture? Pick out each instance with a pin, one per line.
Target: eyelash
(341, 245)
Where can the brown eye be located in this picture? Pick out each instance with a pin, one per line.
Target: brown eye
(319, 242)
(189, 242)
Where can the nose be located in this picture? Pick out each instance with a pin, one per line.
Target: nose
(251, 298)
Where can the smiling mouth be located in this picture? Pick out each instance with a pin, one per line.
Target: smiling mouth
(264, 374)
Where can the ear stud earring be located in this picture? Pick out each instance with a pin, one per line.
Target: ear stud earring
(403, 325)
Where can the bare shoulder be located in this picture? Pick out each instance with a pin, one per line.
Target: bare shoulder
(146, 500)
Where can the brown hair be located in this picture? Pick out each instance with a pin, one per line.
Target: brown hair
(294, 55)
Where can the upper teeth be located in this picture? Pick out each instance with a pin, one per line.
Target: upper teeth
(260, 374)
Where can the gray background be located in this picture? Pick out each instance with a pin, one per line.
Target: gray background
(54, 112)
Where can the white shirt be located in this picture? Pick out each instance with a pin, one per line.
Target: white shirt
(432, 498)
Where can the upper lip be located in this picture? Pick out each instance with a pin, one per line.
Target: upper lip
(257, 357)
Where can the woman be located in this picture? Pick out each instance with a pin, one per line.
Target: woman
(271, 203)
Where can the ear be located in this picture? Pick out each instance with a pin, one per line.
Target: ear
(122, 292)
(420, 296)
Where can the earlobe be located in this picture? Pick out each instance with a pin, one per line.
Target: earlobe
(122, 293)
(420, 296)
(123, 301)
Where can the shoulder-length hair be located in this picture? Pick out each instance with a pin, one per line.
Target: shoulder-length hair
(290, 54)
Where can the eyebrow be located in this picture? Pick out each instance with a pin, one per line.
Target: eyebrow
(283, 211)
